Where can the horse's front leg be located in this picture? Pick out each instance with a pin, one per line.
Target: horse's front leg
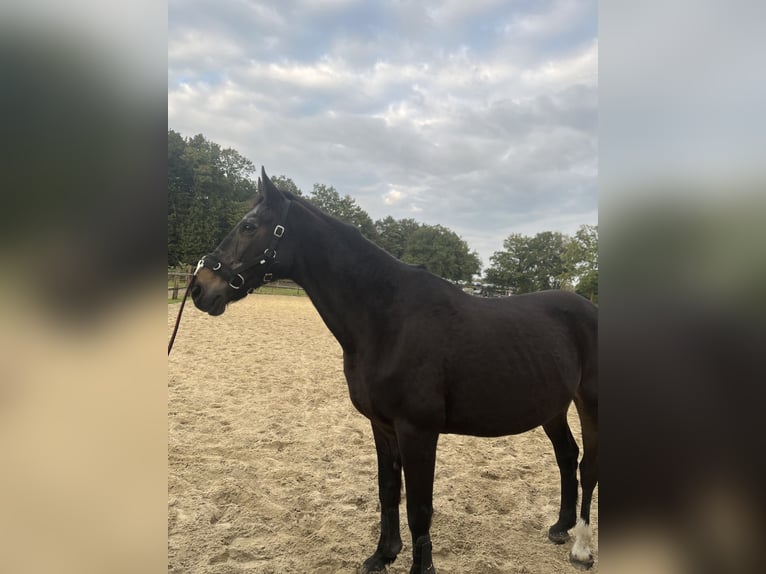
(418, 450)
(389, 490)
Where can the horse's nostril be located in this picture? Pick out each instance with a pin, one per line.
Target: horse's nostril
(196, 291)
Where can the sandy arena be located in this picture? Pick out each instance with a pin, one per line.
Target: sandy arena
(272, 470)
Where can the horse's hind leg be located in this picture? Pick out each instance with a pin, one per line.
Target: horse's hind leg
(566, 450)
(389, 491)
(586, 401)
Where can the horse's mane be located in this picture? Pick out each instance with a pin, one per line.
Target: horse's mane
(304, 201)
(349, 228)
(350, 231)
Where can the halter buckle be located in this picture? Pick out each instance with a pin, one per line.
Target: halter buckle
(241, 279)
(267, 277)
(279, 231)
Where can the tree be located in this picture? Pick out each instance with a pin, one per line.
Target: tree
(530, 264)
(344, 208)
(582, 257)
(443, 252)
(284, 183)
(208, 191)
(179, 186)
(394, 234)
(236, 170)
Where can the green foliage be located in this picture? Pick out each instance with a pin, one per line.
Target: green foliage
(394, 234)
(530, 263)
(209, 189)
(587, 286)
(284, 183)
(549, 260)
(344, 208)
(443, 252)
(583, 260)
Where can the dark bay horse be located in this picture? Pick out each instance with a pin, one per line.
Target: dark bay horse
(423, 358)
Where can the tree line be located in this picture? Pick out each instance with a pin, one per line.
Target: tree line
(210, 189)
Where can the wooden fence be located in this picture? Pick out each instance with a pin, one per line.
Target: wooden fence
(177, 283)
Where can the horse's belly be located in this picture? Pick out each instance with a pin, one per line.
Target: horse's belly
(481, 411)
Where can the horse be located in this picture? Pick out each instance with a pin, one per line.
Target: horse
(422, 358)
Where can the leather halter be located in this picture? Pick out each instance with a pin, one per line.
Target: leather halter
(236, 277)
(266, 261)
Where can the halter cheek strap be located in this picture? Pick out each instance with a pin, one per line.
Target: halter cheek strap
(236, 277)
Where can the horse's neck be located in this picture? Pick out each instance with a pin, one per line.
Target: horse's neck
(348, 279)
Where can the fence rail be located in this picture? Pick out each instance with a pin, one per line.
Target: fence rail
(177, 282)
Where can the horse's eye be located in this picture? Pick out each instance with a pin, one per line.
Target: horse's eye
(247, 227)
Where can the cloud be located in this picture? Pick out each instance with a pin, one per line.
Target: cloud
(393, 197)
(480, 117)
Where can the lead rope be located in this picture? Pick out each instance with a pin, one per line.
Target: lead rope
(181, 310)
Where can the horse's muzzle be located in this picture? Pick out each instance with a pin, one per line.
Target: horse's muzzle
(210, 293)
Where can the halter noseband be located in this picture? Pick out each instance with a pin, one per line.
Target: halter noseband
(236, 277)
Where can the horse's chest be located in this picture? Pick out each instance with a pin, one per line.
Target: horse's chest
(361, 392)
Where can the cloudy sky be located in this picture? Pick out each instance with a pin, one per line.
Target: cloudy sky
(480, 116)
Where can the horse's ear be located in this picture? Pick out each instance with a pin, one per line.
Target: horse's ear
(271, 195)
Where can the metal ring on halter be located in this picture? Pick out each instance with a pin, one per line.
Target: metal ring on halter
(242, 282)
(217, 267)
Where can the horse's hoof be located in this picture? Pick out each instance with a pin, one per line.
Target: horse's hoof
(558, 537)
(583, 563)
(422, 562)
(371, 569)
(375, 564)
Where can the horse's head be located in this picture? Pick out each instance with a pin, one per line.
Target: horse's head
(247, 257)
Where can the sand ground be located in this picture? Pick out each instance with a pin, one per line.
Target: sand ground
(272, 470)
